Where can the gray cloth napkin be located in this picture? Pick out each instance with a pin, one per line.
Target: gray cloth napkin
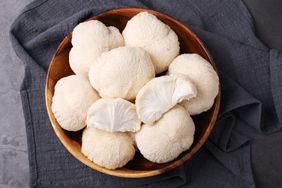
(249, 74)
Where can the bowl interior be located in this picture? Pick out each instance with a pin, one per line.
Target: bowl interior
(139, 166)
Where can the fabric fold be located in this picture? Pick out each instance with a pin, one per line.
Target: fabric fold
(225, 136)
(223, 23)
(238, 162)
(250, 68)
(275, 59)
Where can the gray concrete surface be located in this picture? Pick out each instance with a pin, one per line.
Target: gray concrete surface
(14, 169)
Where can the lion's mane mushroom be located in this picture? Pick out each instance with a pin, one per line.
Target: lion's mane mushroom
(202, 74)
(72, 97)
(90, 39)
(168, 137)
(121, 72)
(109, 150)
(161, 94)
(158, 39)
(113, 115)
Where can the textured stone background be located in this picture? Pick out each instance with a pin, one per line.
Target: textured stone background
(13, 148)
(14, 169)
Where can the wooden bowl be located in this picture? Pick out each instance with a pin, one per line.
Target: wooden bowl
(139, 167)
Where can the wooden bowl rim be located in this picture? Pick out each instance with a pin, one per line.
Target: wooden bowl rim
(135, 173)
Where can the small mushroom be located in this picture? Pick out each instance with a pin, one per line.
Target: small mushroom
(161, 94)
(113, 115)
(202, 74)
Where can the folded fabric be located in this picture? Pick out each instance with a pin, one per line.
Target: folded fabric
(250, 68)
(249, 74)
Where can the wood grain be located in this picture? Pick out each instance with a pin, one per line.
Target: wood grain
(139, 167)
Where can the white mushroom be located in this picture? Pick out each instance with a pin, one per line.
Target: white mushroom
(90, 39)
(168, 137)
(202, 74)
(72, 97)
(80, 59)
(158, 39)
(109, 150)
(113, 115)
(161, 94)
(121, 72)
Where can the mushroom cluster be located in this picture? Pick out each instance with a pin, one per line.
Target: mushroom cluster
(117, 99)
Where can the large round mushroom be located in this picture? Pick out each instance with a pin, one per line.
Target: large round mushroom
(167, 138)
(158, 39)
(73, 96)
(109, 150)
(204, 77)
(121, 72)
(90, 39)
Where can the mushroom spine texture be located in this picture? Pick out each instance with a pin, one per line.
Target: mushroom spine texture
(168, 137)
(113, 115)
(70, 105)
(161, 94)
(121, 72)
(109, 150)
(202, 74)
(90, 39)
(158, 39)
